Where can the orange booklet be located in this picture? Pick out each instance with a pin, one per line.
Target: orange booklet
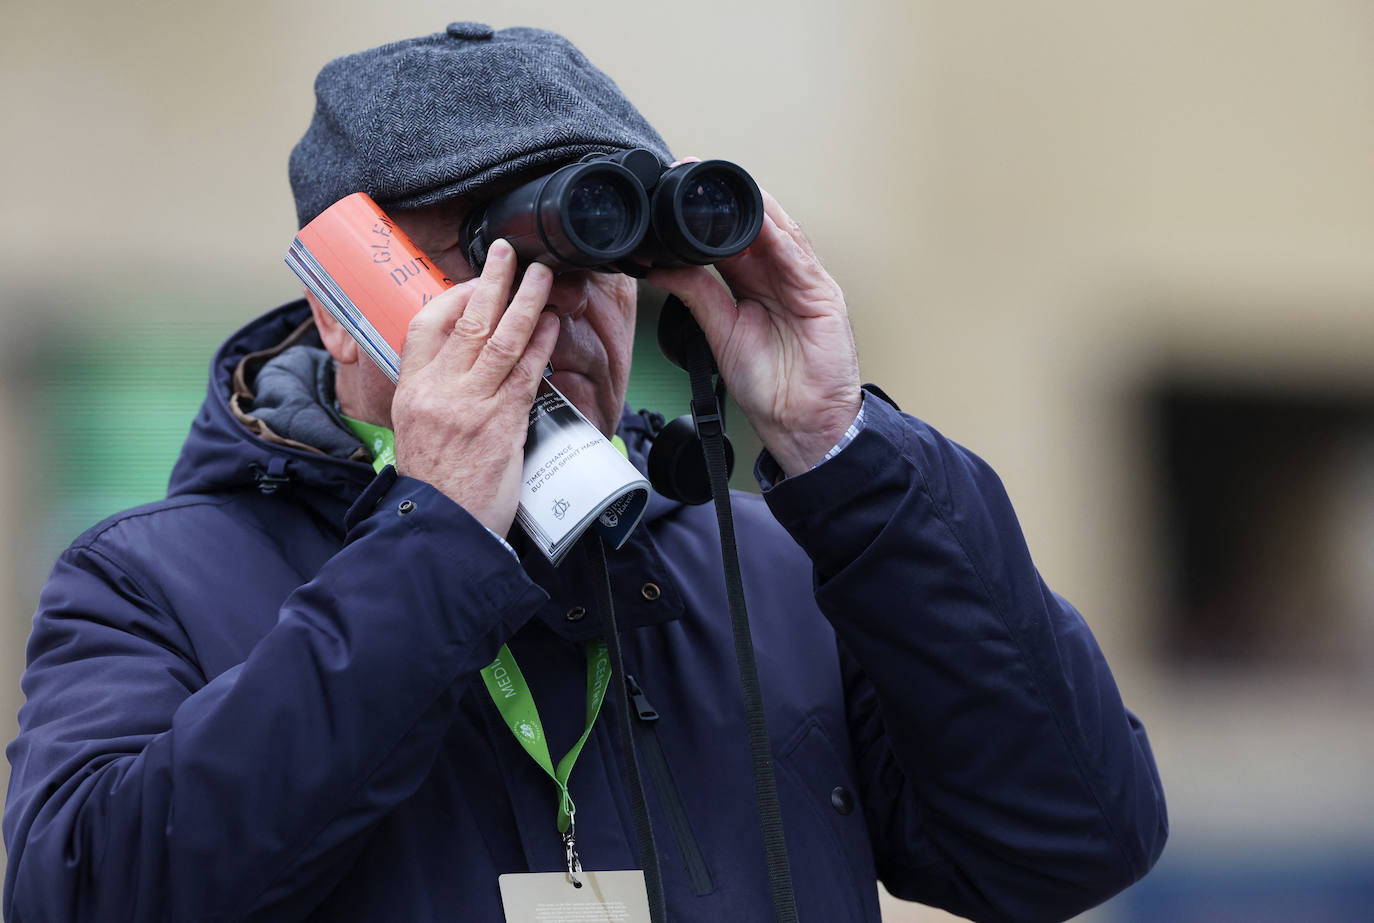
(373, 279)
(368, 273)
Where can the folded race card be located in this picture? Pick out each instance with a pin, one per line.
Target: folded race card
(373, 280)
(574, 478)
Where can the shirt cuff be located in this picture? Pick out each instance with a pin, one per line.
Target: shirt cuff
(504, 544)
(769, 473)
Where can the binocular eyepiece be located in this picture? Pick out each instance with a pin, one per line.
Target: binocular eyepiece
(622, 212)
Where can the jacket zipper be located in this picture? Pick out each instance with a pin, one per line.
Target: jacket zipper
(647, 739)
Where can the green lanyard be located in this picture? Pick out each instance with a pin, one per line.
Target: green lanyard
(380, 441)
(512, 696)
(504, 680)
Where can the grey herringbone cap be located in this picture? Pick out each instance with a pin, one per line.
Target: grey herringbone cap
(427, 119)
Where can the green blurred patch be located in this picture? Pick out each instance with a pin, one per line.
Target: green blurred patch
(113, 406)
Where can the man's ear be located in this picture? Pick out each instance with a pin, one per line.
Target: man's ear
(336, 339)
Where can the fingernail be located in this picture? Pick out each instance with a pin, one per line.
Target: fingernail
(500, 250)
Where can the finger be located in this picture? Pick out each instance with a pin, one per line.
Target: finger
(524, 376)
(774, 210)
(511, 337)
(484, 308)
(775, 261)
(706, 297)
(429, 328)
(688, 159)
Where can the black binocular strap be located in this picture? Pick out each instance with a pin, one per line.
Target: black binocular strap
(706, 414)
(691, 351)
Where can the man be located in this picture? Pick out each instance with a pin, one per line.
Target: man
(262, 697)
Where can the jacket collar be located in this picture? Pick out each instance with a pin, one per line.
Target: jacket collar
(220, 453)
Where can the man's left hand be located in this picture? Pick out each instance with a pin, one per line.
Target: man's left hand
(781, 337)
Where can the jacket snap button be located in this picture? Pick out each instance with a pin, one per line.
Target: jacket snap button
(841, 800)
(406, 508)
(575, 614)
(650, 591)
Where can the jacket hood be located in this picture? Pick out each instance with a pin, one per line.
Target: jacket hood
(222, 453)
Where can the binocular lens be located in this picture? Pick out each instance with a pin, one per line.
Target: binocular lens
(711, 211)
(598, 213)
(704, 212)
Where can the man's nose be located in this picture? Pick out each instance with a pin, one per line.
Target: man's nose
(568, 296)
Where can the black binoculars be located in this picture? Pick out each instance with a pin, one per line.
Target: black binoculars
(623, 212)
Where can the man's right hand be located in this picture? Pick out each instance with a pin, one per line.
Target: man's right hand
(472, 361)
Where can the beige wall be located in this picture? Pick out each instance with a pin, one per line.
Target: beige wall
(1033, 207)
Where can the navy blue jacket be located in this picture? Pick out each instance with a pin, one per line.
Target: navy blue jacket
(247, 702)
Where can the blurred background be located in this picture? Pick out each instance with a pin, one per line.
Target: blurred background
(1125, 252)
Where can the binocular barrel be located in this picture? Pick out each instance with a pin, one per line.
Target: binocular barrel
(622, 212)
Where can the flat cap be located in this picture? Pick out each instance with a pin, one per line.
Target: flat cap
(424, 120)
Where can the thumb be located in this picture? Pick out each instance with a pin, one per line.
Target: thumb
(711, 304)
